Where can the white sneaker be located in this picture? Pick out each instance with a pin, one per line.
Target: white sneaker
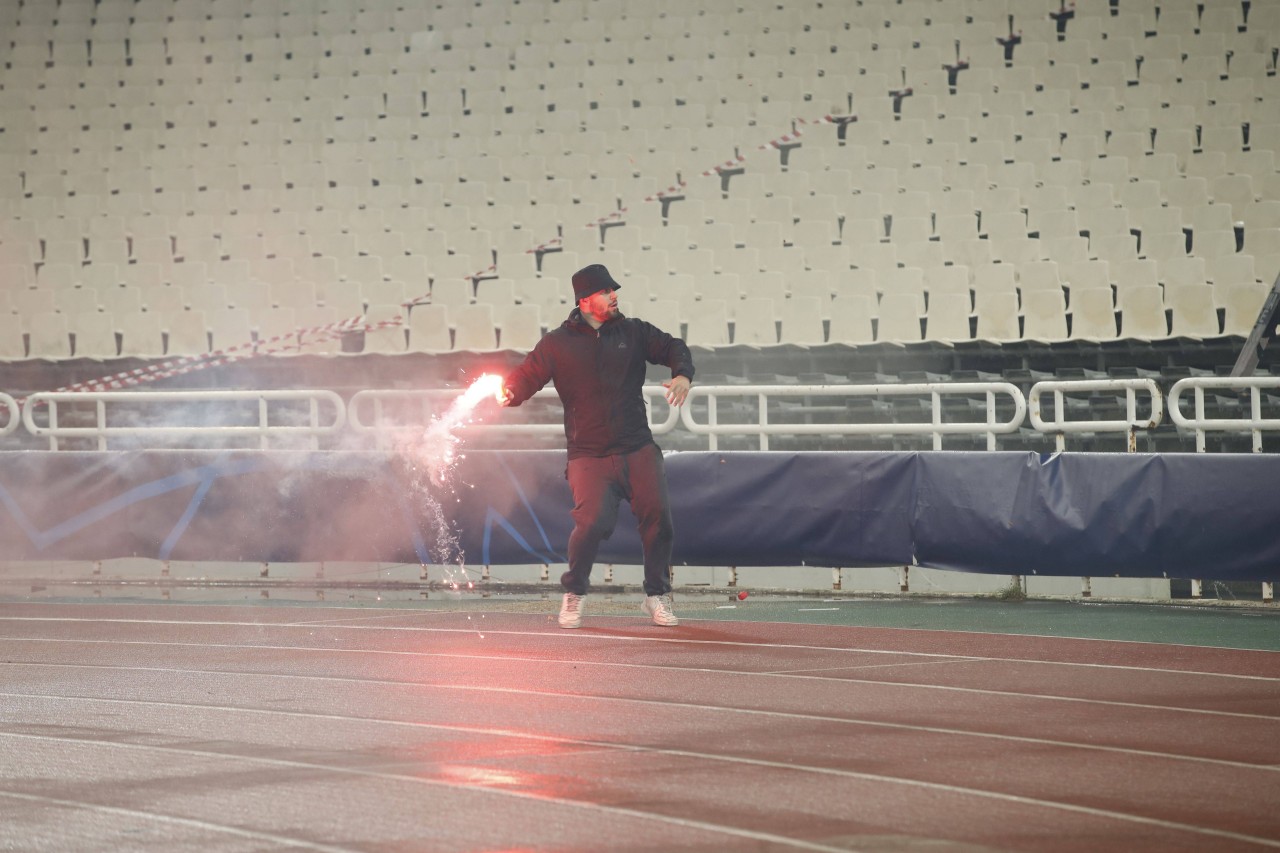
(659, 607)
(571, 611)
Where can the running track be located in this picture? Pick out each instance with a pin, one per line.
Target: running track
(236, 728)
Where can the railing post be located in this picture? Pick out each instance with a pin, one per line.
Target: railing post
(101, 412)
(712, 420)
(763, 401)
(263, 444)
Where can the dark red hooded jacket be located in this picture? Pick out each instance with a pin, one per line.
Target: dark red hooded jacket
(598, 374)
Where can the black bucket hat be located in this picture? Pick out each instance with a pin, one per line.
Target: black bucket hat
(592, 279)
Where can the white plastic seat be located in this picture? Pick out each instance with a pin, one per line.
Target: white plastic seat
(756, 321)
(1193, 311)
(994, 278)
(708, 324)
(1126, 275)
(381, 292)
(1210, 244)
(12, 343)
(947, 317)
(1142, 312)
(429, 329)
(141, 334)
(851, 315)
(1175, 272)
(1228, 270)
(474, 328)
(1039, 275)
(230, 327)
(187, 333)
(665, 314)
(453, 292)
(94, 335)
(277, 332)
(387, 332)
(1241, 304)
(1260, 241)
(1093, 316)
(802, 318)
(498, 292)
(1044, 315)
(48, 336)
(900, 318)
(519, 326)
(316, 332)
(997, 315)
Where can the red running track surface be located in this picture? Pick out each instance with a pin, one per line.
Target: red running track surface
(180, 727)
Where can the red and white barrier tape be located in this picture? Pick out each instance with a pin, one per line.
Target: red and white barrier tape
(675, 189)
(785, 139)
(553, 243)
(727, 164)
(613, 216)
(194, 363)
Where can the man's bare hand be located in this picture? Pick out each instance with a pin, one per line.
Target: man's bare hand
(677, 390)
(505, 396)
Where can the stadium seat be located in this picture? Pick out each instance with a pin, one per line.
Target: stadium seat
(947, 316)
(186, 333)
(230, 328)
(851, 316)
(474, 328)
(1241, 304)
(519, 326)
(1193, 311)
(900, 318)
(755, 321)
(429, 329)
(93, 335)
(49, 336)
(708, 323)
(1093, 316)
(1044, 315)
(1142, 312)
(802, 320)
(141, 334)
(997, 315)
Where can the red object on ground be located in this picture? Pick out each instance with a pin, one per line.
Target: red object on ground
(742, 596)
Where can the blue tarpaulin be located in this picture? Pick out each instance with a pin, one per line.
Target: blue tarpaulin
(1209, 516)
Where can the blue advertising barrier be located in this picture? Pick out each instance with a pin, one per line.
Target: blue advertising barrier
(1214, 517)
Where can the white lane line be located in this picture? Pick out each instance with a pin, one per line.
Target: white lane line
(177, 605)
(691, 706)
(712, 757)
(584, 636)
(667, 669)
(179, 821)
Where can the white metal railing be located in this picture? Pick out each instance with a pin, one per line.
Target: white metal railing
(1254, 423)
(12, 414)
(1060, 425)
(371, 412)
(102, 430)
(368, 413)
(936, 426)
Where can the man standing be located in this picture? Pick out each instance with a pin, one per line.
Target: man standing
(597, 359)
